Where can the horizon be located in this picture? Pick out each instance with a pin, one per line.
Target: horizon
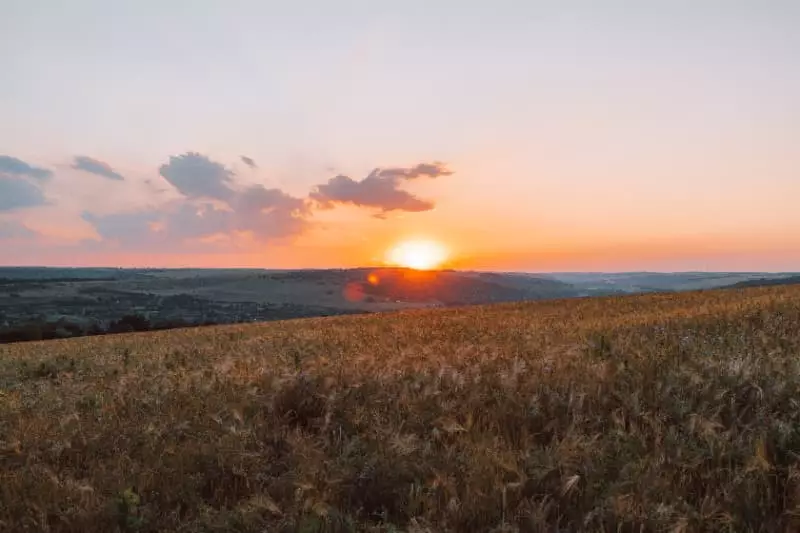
(400, 267)
(535, 138)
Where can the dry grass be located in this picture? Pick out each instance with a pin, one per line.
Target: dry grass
(648, 413)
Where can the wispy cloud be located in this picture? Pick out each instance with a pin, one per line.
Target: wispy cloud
(11, 229)
(13, 166)
(421, 170)
(97, 167)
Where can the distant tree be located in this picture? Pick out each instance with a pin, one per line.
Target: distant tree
(27, 332)
(171, 324)
(95, 329)
(129, 323)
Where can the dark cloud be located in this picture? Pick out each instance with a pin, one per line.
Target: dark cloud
(372, 191)
(249, 161)
(12, 165)
(380, 189)
(94, 166)
(17, 193)
(196, 176)
(10, 229)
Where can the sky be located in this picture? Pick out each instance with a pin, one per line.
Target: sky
(522, 135)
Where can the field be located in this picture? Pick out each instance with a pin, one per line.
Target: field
(660, 412)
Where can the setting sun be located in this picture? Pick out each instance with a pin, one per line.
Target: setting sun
(418, 254)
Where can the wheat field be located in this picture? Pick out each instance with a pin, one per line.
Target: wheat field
(671, 412)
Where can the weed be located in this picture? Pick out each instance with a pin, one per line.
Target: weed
(127, 510)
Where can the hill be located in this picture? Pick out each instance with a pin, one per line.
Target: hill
(767, 282)
(38, 303)
(41, 303)
(674, 412)
(636, 282)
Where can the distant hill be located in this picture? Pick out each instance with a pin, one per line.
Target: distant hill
(38, 303)
(766, 282)
(635, 282)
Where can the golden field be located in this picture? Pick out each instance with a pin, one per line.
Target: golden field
(673, 412)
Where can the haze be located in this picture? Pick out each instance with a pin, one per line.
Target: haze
(536, 136)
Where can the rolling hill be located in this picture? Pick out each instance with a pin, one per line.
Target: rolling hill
(38, 303)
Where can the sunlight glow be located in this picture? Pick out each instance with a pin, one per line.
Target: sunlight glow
(418, 254)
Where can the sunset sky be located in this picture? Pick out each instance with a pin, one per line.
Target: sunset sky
(522, 135)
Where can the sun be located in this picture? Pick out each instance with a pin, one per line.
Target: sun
(418, 254)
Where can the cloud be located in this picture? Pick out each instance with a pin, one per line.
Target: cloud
(94, 166)
(126, 228)
(372, 191)
(264, 214)
(11, 229)
(14, 166)
(17, 194)
(211, 207)
(421, 170)
(380, 189)
(269, 213)
(196, 176)
(217, 213)
(249, 161)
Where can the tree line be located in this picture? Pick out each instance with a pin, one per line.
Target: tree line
(38, 330)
